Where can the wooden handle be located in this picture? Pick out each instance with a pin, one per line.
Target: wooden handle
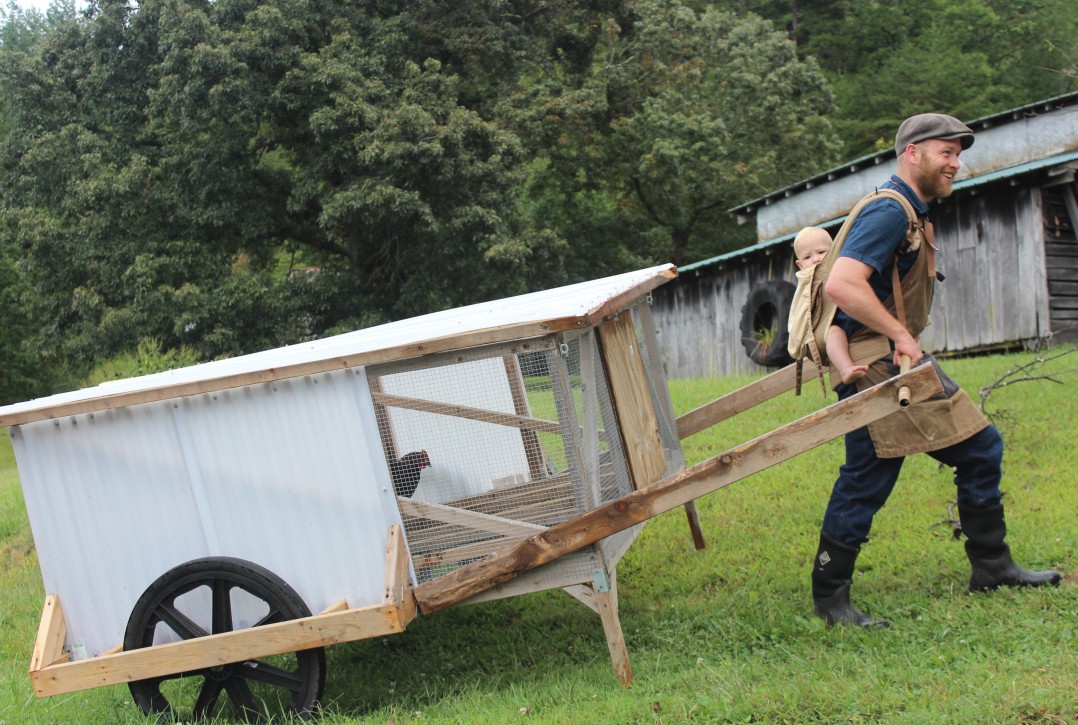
(904, 390)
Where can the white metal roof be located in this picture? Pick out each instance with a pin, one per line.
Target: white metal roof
(521, 317)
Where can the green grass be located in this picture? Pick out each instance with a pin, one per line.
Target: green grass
(722, 635)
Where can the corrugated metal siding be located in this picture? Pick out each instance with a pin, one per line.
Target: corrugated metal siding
(288, 475)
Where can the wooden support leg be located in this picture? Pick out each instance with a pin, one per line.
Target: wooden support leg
(615, 641)
(695, 529)
(605, 603)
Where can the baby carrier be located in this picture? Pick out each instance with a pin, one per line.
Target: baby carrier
(812, 310)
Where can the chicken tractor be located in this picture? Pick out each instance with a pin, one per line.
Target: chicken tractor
(204, 533)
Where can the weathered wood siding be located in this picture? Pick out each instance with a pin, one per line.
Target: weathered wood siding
(1005, 141)
(698, 315)
(1007, 235)
(992, 255)
(1061, 259)
(996, 289)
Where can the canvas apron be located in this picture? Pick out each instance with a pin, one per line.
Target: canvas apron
(944, 419)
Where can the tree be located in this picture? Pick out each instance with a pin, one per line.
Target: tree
(167, 167)
(169, 154)
(681, 116)
(972, 58)
(408, 189)
(23, 374)
(730, 114)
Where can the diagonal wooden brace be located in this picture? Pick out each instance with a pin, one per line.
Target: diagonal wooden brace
(703, 478)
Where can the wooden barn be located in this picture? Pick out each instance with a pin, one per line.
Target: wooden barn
(1010, 254)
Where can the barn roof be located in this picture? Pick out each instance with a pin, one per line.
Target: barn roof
(784, 241)
(1013, 152)
(522, 317)
(859, 164)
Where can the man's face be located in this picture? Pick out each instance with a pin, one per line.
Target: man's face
(935, 163)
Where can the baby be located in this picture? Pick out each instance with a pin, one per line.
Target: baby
(810, 246)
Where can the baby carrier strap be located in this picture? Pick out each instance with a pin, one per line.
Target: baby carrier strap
(813, 309)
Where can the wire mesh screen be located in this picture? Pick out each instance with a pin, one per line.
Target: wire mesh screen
(657, 385)
(490, 446)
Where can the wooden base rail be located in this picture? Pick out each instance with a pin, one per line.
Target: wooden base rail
(52, 674)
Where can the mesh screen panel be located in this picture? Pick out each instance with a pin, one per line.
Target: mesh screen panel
(488, 446)
(660, 393)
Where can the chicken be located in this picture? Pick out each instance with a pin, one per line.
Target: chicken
(406, 472)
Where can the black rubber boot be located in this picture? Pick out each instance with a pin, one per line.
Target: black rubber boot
(832, 574)
(989, 555)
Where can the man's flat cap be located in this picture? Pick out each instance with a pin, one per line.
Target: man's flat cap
(922, 127)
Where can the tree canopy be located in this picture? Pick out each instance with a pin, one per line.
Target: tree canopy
(230, 175)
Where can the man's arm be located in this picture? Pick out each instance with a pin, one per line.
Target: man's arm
(848, 286)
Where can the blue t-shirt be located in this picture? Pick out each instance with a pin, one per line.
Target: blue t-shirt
(875, 238)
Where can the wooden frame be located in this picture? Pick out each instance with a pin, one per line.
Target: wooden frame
(703, 478)
(526, 543)
(741, 400)
(770, 386)
(529, 438)
(51, 672)
(631, 397)
(605, 604)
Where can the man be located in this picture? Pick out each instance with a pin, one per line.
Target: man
(949, 428)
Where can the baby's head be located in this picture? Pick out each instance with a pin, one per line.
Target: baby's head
(810, 246)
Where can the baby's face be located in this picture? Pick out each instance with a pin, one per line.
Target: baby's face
(812, 253)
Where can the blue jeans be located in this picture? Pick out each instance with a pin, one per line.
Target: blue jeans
(865, 481)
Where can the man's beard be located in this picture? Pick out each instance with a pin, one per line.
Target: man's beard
(932, 183)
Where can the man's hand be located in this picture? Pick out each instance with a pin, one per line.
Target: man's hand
(908, 346)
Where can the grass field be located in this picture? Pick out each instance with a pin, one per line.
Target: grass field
(723, 635)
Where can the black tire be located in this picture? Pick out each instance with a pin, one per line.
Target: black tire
(764, 322)
(272, 688)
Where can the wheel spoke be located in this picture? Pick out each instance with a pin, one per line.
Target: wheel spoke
(271, 675)
(179, 622)
(222, 606)
(273, 616)
(157, 699)
(241, 696)
(255, 690)
(207, 698)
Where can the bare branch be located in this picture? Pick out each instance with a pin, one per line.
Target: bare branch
(951, 521)
(1027, 372)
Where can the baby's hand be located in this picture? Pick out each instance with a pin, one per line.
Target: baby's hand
(854, 372)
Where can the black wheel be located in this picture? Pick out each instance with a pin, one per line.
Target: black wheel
(764, 322)
(211, 596)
